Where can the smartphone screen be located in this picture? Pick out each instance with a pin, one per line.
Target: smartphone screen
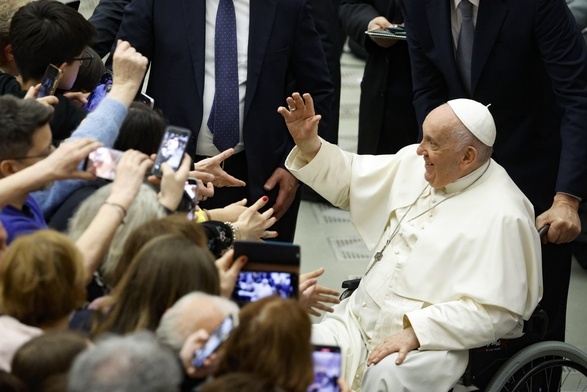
(102, 162)
(327, 366)
(219, 335)
(171, 149)
(50, 81)
(100, 92)
(191, 189)
(254, 285)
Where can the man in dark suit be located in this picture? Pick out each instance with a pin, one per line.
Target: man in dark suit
(387, 120)
(530, 63)
(280, 43)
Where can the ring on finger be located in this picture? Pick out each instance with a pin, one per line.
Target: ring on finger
(265, 235)
(291, 108)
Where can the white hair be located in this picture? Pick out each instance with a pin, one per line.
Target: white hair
(135, 362)
(183, 318)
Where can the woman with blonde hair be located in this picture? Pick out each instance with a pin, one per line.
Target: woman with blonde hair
(42, 281)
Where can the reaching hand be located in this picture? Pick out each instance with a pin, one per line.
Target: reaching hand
(288, 185)
(253, 225)
(314, 297)
(213, 166)
(302, 123)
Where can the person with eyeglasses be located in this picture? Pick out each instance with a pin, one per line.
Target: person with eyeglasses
(49, 32)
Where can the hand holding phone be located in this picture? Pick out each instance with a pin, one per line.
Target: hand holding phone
(102, 162)
(216, 338)
(100, 92)
(50, 81)
(172, 148)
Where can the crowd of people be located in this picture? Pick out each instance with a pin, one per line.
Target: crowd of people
(116, 276)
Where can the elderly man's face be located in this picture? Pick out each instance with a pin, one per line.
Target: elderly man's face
(439, 148)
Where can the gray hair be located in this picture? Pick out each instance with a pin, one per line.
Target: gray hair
(465, 138)
(144, 208)
(183, 318)
(135, 362)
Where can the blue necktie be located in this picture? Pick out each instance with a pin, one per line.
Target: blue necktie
(223, 121)
(465, 43)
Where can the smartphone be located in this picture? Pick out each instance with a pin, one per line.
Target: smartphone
(50, 81)
(145, 99)
(99, 93)
(172, 147)
(273, 253)
(191, 189)
(327, 367)
(254, 285)
(219, 335)
(102, 162)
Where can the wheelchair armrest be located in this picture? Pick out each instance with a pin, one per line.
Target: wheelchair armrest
(351, 284)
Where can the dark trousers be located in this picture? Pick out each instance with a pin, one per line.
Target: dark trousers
(237, 167)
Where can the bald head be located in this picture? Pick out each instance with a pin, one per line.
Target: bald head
(190, 313)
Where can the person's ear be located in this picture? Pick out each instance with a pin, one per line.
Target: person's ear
(469, 157)
(8, 167)
(8, 52)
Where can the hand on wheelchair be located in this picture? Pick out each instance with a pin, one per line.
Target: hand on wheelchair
(313, 297)
(401, 343)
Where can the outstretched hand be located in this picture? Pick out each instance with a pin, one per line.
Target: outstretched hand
(302, 123)
(315, 298)
(216, 174)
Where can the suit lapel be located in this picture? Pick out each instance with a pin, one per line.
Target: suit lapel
(262, 15)
(194, 18)
(490, 19)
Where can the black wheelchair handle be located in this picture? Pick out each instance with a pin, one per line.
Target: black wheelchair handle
(543, 231)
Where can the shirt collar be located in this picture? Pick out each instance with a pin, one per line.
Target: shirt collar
(455, 3)
(466, 181)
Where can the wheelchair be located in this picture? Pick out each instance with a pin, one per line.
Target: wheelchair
(525, 364)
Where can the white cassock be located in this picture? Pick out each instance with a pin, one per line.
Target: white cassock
(463, 268)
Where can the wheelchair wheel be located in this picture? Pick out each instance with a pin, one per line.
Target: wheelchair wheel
(541, 367)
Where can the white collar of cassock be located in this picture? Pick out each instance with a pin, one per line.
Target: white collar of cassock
(464, 182)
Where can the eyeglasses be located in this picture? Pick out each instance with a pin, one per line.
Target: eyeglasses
(86, 59)
(45, 155)
(42, 156)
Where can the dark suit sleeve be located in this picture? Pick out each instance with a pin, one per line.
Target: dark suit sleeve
(309, 68)
(355, 16)
(137, 26)
(565, 56)
(106, 19)
(429, 86)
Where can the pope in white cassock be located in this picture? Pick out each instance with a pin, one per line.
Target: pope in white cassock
(457, 255)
